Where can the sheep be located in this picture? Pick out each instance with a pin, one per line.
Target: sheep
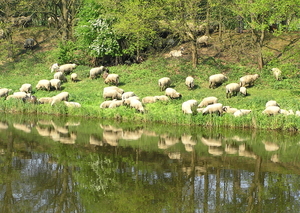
(213, 108)
(96, 71)
(241, 112)
(43, 84)
(67, 68)
(207, 101)
(163, 83)
(189, 107)
(30, 99)
(176, 53)
(189, 82)
(162, 98)
(203, 40)
(54, 67)
(297, 113)
(136, 104)
(277, 73)
(216, 80)
(113, 94)
(26, 88)
(149, 99)
(286, 112)
(127, 101)
(56, 84)
(127, 95)
(115, 104)
(271, 110)
(248, 80)
(172, 93)
(18, 95)
(4, 92)
(45, 100)
(63, 96)
(72, 104)
(60, 75)
(229, 109)
(113, 79)
(243, 91)
(119, 90)
(232, 89)
(29, 43)
(105, 104)
(272, 103)
(74, 77)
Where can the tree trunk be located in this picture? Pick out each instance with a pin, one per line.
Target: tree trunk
(65, 19)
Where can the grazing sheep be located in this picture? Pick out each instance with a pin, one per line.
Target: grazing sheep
(189, 107)
(45, 100)
(297, 113)
(203, 40)
(105, 104)
(213, 108)
(60, 75)
(241, 112)
(29, 43)
(115, 104)
(229, 109)
(136, 104)
(162, 98)
(119, 90)
(63, 96)
(271, 110)
(149, 99)
(43, 84)
(232, 89)
(277, 73)
(74, 77)
(248, 80)
(286, 112)
(113, 94)
(127, 95)
(272, 103)
(30, 99)
(72, 104)
(189, 82)
(54, 67)
(163, 83)
(176, 53)
(243, 91)
(26, 88)
(18, 95)
(207, 101)
(96, 71)
(172, 93)
(126, 102)
(67, 68)
(4, 92)
(56, 84)
(216, 80)
(112, 79)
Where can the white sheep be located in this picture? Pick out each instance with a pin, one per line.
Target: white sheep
(241, 112)
(56, 84)
(271, 110)
(176, 53)
(189, 82)
(43, 84)
(54, 67)
(243, 91)
(119, 90)
(18, 95)
(63, 96)
(297, 113)
(163, 83)
(115, 104)
(286, 112)
(72, 104)
(112, 79)
(113, 94)
(189, 107)
(126, 102)
(248, 80)
(149, 99)
(60, 75)
(207, 101)
(272, 103)
(126, 95)
(45, 100)
(4, 92)
(105, 104)
(229, 109)
(136, 104)
(172, 93)
(232, 89)
(67, 68)
(216, 80)
(96, 71)
(162, 98)
(213, 108)
(74, 77)
(203, 40)
(26, 88)
(277, 73)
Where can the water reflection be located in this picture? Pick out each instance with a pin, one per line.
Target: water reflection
(52, 164)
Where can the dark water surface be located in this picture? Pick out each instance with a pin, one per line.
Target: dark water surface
(60, 164)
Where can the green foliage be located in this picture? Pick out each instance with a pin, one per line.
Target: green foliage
(66, 52)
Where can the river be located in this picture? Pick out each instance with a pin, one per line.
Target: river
(65, 164)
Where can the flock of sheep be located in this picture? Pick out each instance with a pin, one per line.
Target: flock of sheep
(115, 96)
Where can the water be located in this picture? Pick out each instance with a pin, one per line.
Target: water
(60, 164)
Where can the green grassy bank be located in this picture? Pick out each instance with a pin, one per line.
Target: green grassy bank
(143, 80)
